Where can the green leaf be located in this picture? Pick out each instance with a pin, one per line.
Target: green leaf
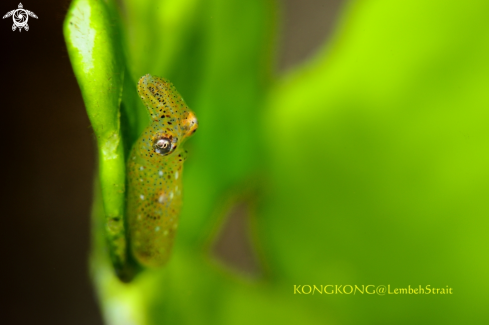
(94, 48)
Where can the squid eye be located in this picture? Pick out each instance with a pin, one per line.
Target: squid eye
(162, 146)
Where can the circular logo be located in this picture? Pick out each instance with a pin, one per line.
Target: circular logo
(20, 18)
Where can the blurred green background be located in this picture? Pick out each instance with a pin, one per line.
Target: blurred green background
(358, 161)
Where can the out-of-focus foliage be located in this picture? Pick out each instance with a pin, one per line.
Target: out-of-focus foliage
(388, 178)
(372, 158)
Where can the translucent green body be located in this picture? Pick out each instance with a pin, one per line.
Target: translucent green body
(155, 169)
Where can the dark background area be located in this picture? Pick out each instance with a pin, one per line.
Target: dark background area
(48, 160)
